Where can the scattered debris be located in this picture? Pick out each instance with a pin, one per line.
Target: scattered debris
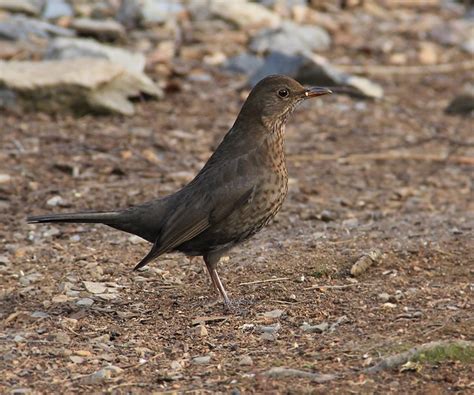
(365, 261)
(282, 372)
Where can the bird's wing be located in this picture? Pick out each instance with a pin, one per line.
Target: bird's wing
(199, 210)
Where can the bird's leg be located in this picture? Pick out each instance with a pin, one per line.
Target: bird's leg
(211, 263)
(210, 271)
(218, 284)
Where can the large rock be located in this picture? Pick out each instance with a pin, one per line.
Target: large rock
(19, 27)
(316, 70)
(291, 39)
(78, 85)
(29, 7)
(73, 48)
(244, 13)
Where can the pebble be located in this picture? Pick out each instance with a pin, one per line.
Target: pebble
(57, 8)
(320, 328)
(102, 375)
(245, 360)
(270, 328)
(39, 314)
(327, 216)
(4, 178)
(201, 330)
(76, 359)
(55, 201)
(201, 360)
(85, 302)
(384, 296)
(94, 287)
(274, 314)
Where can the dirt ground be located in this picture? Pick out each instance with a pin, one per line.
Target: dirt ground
(394, 175)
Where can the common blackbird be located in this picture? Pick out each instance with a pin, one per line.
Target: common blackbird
(237, 192)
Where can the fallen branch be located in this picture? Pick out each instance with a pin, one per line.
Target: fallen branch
(270, 280)
(404, 70)
(434, 351)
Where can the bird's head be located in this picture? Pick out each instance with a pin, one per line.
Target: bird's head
(275, 97)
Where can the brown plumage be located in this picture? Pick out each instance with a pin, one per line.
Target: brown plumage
(237, 192)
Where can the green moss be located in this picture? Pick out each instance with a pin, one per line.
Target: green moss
(454, 351)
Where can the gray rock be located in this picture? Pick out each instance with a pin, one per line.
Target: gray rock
(244, 63)
(19, 27)
(202, 360)
(282, 372)
(291, 39)
(101, 29)
(244, 13)
(102, 375)
(245, 360)
(78, 85)
(28, 7)
(54, 9)
(463, 104)
(315, 70)
(73, 48)
(320, 328)
(85, 302)
(160, 11)
(454, 32)
(274, 314)
(272, 329)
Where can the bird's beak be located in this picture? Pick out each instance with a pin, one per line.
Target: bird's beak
(316, 91)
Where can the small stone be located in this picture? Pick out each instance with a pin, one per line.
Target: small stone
(101, 29)
(60, 299)
(62, 337)
(200, 330)
(327, 216)
(245, 360)
(19, 339)
(55, 201)
(274, 314)
(384, 296)
(39, 314)
(244, 14)
(102, 375)
(76, 359)
(201, 360)
(463, 103)
(95, 288)
(85, 302)
(268, 336)
(56, 9)
(175, 365)
(4, 178)
(428, 53)
(320, 328)
(270, 328)
(389, 305)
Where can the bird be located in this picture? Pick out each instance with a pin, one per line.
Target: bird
(237, 192)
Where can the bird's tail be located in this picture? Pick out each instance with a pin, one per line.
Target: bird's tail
(97, 217)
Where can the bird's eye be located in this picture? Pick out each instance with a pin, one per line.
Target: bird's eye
(283, 92)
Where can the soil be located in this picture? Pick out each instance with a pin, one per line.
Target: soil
(394, 175)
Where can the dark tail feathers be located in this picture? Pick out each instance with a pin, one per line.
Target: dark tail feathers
(98, 217)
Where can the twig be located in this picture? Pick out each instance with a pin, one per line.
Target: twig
(403, 70)
(270, 280)
(331, 286)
